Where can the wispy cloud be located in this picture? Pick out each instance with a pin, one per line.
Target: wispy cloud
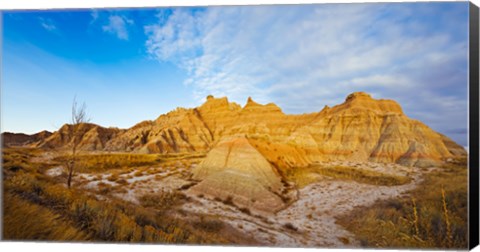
(95, 15)
(117, 25)
(303, 57)
(48, 24)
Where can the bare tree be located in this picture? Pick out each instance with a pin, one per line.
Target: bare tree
(79, 116)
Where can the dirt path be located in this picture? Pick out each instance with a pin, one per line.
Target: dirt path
(310, 221)
(320, 203)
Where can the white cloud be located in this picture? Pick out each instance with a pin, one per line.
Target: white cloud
(117, 25)
(48, 24)
(95, 15)
(303, 57)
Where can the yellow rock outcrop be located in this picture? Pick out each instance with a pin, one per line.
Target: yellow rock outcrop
(235, 169)
(360, 129)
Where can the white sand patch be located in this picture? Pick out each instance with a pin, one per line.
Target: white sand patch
(151, 180)
(130, 196)
(94, 184)
(314, 213)
(45, 157)
(53, 172)
(140, 178)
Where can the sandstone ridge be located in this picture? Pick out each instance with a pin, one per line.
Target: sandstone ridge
(360, 129)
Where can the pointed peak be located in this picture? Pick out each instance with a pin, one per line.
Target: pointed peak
(255, 106)
(358, 95)
(211, 100)
(214, 103)
(250, 102)
(364, 101)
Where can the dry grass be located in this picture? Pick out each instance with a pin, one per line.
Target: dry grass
(138, 174)
(113, 177)
(18, 159)
(102, 162)
(434, 216)
(305, 176)
(209, 225)
(363, 176)
(37, 207)
(26, 221)
(162, 200)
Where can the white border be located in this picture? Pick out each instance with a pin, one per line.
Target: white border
(70, 4)
(62, 4)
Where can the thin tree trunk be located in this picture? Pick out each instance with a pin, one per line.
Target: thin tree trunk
(71, 166)
(69, 181)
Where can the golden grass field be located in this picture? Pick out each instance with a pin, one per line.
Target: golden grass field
(40, 207)
(37, 207)
(434, 215)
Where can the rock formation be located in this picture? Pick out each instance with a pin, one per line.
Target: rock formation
(235, 169)
(93, 137)
(19, 139)
(360, 129)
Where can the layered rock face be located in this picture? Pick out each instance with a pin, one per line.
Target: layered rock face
(365, 129)
(360, 129)
(235, 169)
(93, 137)
(19, 139)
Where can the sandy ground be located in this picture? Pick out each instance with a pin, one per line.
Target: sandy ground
(308, 222)
(314, 214)
(141, 181)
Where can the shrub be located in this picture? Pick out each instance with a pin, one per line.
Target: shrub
(208, 225)
(229, 201)
(162, 200)
(113, 177)
(245, 210)
(122, 182)
(186, 186)
(126, 229)
(290, 226)
(58, 195)
(103, 224)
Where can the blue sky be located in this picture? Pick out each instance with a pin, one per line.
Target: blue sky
(130, 65)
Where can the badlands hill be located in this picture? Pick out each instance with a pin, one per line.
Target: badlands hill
(360, 129)
(248, 148)
(19, 139)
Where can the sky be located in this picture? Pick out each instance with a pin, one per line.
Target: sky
(130, 65)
